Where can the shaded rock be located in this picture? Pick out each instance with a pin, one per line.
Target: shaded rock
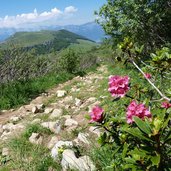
(52, 142)
(41, 107)
(58, 145)
(56, 113)
(36, 138)
(70, 122)
(69, 161)
(35, 109)
(53, 126)
(61, 93)
(67, 106)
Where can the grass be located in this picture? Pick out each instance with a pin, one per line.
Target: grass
(83, 46)
(35, 128)
(28, 157)
(102, 157)
(21, 92)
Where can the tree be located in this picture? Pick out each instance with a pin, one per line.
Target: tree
(69, 61)
(145, 21)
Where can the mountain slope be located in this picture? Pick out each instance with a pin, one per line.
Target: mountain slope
(91, 30)
(27, 39)
(44, 42)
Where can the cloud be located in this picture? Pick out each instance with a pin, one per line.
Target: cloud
(54, 16)
(70, 9)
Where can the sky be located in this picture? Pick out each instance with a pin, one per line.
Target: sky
(32, 13)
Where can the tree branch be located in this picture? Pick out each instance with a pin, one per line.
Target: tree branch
(161, 94)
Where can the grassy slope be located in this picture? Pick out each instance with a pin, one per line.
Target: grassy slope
(26, 39)
(30, 38)
(83, 45)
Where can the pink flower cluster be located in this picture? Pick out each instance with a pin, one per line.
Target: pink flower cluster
(166, 105)
(138, 110)
(118, 85)
(148, 75)
(96, 114)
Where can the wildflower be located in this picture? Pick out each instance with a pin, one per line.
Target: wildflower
(138, 110)
(118, 85)
(166, 105)
(148, 75)
(96, 114)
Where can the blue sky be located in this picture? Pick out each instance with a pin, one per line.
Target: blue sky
(28, 13)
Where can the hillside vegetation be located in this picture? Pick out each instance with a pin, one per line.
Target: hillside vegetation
(40, 61)
(26, 39)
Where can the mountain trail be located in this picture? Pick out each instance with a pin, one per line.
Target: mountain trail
(62, 110)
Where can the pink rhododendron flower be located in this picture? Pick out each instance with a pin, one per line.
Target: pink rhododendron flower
(118, 85)
(147, 75)
(96, 114)
(138, 110)
(166, 105)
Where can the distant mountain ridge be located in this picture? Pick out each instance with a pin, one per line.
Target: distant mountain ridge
(29, 39)
(90, 30)
(47, 41)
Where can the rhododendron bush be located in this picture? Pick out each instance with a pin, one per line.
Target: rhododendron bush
(139, 131)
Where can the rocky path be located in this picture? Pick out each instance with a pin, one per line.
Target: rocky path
(62, 110)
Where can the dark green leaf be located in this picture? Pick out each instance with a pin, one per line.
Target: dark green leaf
(137, 133)
(143, 125)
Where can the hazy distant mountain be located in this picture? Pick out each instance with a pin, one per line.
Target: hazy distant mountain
(89, 30)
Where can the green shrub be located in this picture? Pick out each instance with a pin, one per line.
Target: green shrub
(70, 61)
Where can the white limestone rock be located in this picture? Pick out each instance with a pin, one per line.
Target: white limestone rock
(48, 110)
(61, 93)
(70, 161)
(58, 145)
(15, 119)
(53, 126)
(70, 122)
(78, 102)
(56, 113)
